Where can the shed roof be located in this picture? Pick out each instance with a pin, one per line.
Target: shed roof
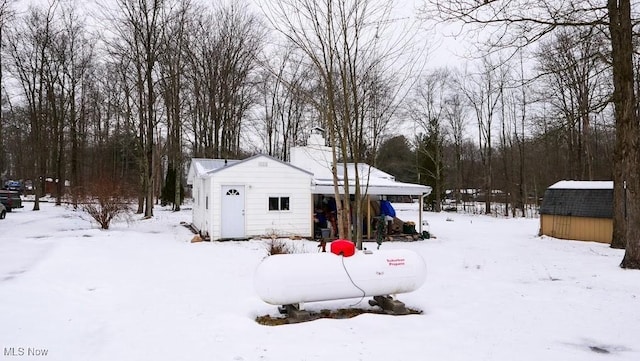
(579, 199)
(568, 184)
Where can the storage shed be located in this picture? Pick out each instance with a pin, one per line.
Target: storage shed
(256, 197)
(578, 210)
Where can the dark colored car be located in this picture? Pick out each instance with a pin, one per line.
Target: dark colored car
(10, 199)
(14, 186)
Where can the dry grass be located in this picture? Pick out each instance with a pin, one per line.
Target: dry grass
(278, 246)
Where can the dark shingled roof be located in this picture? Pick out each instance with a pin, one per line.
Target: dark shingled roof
(595, 203)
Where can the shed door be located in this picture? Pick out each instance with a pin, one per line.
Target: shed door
(232, 213)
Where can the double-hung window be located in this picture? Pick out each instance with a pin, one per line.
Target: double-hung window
(278, 203)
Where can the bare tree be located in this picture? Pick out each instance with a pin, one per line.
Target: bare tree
(138, 26)
(223, 57)
(428, 109)
(518, 23)
(383, 95)
(341, 39)
(28, 45)
(285, 82)
(455, 114)
(6, 13)
(172, 83)
(79, 74)
(483, 91)
(70, 54)
(519, 134)
(577, 89)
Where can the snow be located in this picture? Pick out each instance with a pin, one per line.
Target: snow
(568, 184)
(143, 291)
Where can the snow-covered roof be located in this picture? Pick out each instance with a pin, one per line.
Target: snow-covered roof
(364, 170)
(568, 184)
(201, 166)
(206, 167)
(317, 158)
(373, 181)
(237, 162)
(375, 186)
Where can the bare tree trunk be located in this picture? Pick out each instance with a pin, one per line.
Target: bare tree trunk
(627, 132)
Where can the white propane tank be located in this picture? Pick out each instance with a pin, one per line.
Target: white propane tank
(287, 279)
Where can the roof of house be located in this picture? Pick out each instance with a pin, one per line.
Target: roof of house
(200, 166)
(374, 186)
(579, 199)
(373, 181)
(235, 163)
(317, 158)
(205, 167)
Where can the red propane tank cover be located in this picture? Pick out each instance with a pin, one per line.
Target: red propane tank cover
(343, 247)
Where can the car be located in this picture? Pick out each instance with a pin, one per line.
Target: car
(10, 199)
(3, 211)
(14, 186)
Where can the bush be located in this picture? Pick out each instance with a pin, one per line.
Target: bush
(277, 246)
(105, 201)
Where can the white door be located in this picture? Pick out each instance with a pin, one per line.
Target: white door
(232, 213)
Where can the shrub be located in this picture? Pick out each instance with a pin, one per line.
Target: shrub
(277, 246)
(106, 200)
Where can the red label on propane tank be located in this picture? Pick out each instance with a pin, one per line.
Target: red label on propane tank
(395, 261)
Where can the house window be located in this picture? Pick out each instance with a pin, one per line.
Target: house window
(278, 203)
(206, 202)
(233, 192)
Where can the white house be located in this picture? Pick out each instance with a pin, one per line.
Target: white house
(262, 196)
(256, 197)
(317, 158)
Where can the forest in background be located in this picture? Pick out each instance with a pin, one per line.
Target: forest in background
(128, 93)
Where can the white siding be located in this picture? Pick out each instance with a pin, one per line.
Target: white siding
(197, 211)
(208, 205)
(263, 177)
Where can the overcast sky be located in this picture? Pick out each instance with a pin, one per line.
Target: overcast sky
(445, 48)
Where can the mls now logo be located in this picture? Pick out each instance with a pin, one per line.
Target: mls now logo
(25, 351)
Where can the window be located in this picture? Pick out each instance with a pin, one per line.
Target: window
(233, 192)
(278, 203)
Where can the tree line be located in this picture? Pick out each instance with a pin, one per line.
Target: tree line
(129, 92)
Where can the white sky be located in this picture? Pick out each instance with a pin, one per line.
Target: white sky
(446, 46)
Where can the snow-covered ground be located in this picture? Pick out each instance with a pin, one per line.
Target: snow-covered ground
(142, 291)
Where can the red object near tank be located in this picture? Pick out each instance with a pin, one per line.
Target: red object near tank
(343, 247)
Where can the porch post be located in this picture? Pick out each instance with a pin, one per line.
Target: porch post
(368, 216)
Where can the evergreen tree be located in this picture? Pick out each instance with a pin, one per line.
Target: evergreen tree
(168, 194)
(396, 158)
